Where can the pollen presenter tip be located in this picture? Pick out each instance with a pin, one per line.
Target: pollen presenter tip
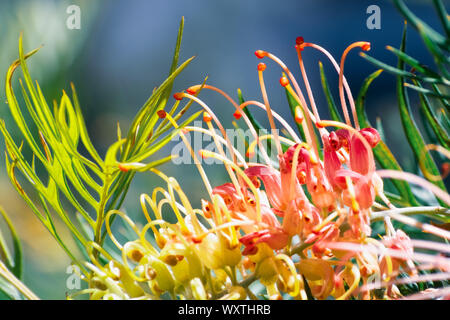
(191, 91)
(260, 54)
(237, 115)
(298, 114)
(162, 114)
(178, 96)
(261, 66)
(206, 117)
(366, 46)
(284, 81)
(202, 154)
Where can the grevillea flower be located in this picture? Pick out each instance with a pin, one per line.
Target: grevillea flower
(303, 221)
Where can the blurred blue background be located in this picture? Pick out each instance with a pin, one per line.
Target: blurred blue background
(124, 49)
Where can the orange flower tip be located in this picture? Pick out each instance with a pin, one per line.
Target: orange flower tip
(299, 120)
(284, 81)
(203, 154)
(185, 131)
(237, 115)
(123, 167)
(161, 114)
(191, 90)
(366, 46)
(206, 117)
(178, 96)
(260, 54)
(261, 66)
(298, 115)
(196, 240)
(319, 125)
(249, 154)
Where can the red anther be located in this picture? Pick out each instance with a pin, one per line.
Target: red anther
(260, 54)
(249, 154)
(191, 91)
(161, 114)
(284, 81)
(237, 115)
(207, 117)
(178, 96)
(261, 66)
(123, 168)
(366, 46)
(299, 41)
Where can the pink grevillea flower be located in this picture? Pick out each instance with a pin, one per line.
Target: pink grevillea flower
(401, 242)
(312, 173)
(271, 232)
(324, 203)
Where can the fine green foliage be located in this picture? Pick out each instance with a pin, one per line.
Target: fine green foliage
(59, 140)
(431, 85)
(426, 162)
(13, 260)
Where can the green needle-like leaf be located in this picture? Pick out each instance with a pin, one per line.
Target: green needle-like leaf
(382, 152)
(14, 263)
(334, 113)
(425, 161)
(432, 119)
(418, 23)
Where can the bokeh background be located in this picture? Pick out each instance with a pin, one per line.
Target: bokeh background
(124, 48)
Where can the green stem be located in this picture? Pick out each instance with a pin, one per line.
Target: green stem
(298, 249)
(101, 213)
(432, 212)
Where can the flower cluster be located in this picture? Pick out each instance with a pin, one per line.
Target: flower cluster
(300, 227)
